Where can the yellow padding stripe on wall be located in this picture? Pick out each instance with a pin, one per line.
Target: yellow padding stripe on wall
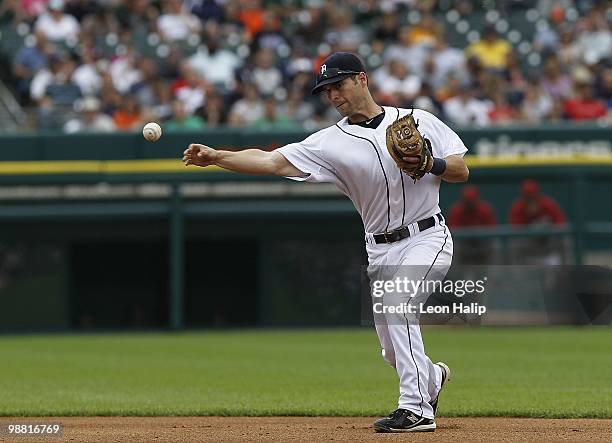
(175, 165)
(99, 167)
(509, 162)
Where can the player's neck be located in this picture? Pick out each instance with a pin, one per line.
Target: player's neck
(369, 111)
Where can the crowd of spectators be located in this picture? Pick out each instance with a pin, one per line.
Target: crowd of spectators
(103, 65)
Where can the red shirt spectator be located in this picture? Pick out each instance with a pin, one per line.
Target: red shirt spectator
(533, 207)
(584, 106)
(471, 211)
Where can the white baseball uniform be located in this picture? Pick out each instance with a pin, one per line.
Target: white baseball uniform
(356, 159)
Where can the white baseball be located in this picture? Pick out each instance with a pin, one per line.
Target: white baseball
(152, 131)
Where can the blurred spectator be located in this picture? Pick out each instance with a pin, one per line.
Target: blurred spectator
(176, 23)
(471, 210)
(584, 106)
(532, 207)
(413, 56)
(208, 10)
(144, 89)
(270, 35)
(537, 105)
(29, 61)
(444, 60)
(214, 64)
(90, 119)
(568, 50)
(124, 70)
(466, 109)
(386, 30)
(9, 12)
(425, 102)
(170, 66)
(266, 76)
(248, 109)
(128, 117)
(296, 108)
(61, 89)
(251, 16)
(513, 73)
(215, 111)
(557, 84)
(343, 31)
(56, 25)
(80, 9)
(55, 84)
(272, 119)
(32, 8)
(425, 31)
(190, 89)
(181, 120)
(595, 41)
(604, 87)
(100, 23)
(396, 83)
(86, 75)
(311, 23)
(502, 113)
(162, 108)
(278, 46)
(491, 50)
(137, 15)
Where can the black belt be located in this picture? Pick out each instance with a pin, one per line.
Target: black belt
(403, 232)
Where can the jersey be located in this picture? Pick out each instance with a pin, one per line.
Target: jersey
(355, 158)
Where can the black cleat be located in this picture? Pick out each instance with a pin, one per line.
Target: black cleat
(445, 377)
(402, 420)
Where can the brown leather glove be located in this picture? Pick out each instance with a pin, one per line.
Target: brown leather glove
(410, 150)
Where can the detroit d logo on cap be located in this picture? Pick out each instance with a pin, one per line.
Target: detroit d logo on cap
(323, 69)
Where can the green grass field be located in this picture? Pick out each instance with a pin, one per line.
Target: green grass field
(547, 372)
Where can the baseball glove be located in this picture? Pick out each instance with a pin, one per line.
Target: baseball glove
(404, 140)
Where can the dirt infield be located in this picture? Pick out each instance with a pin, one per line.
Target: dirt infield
(354, 429)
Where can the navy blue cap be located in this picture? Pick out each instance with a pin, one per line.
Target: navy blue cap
(337, 67)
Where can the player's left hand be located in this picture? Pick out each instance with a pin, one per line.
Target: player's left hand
(412, 162)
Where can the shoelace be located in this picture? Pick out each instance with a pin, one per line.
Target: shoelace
(397, 413)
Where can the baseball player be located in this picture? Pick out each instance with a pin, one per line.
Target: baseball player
(395, 191)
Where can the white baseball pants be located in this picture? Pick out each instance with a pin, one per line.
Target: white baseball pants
(425, 255)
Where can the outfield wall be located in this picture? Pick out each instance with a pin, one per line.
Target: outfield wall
(111, 232)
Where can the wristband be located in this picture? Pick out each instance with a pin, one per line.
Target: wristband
(439, 166)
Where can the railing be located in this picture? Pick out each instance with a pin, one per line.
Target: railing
(12, 116)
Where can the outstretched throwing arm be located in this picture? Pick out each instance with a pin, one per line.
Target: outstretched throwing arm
(249, 161)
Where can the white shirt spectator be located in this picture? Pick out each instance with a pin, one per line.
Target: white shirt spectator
(177, 27)
(67, 27)
(216, 68)
(467, 111)
(39, 84)
(537, 105)
(414, 57)
(192, 98)
(124, 73)
(247, 112)
(408, 85)
(99, 123)
(595, 45)
(446, 61)
(268, 80)
(87, 78)
(90, 118)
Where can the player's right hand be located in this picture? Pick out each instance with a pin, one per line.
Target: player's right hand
(199, 155)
